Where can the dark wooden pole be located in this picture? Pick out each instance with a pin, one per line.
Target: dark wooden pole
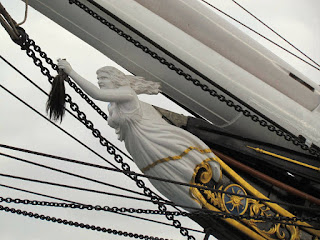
(232, 162)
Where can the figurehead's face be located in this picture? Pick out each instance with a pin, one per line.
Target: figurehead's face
(110, 77)
(105, 82)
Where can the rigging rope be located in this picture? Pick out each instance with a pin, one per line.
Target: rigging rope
(71, 174)
(149, 177)
(38, 194)
(78, 188)
(72, 105)
(269, 40)
(8, 23)
(259, 20)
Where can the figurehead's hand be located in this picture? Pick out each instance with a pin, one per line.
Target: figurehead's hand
(64, 65)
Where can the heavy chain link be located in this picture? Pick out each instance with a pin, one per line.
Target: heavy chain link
(87, 207)
(26, 43)
(77, 224)
(230, 103)
(215, 214)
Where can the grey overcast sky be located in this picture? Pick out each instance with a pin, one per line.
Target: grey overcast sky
(298, 21)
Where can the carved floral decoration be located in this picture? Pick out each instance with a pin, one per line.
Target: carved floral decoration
(239, 205)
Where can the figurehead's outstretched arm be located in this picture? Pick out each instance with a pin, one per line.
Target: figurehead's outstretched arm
(122, 94)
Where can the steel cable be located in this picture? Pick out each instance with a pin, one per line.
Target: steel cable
(276, 44)
(259, 20)
(150, 177)
(71, 174)
(75, 188)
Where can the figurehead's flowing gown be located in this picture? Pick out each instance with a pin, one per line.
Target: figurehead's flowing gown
(160, 149)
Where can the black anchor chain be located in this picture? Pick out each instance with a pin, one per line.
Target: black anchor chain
(230, 103)
(25, 42)
(77, 224)
(215, 214)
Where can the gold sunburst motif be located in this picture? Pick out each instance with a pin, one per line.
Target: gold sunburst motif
(234, 203)
(235, 200)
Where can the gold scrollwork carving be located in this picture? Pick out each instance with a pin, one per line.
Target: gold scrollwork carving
(215, 198)
(239, 205)
(258, 209)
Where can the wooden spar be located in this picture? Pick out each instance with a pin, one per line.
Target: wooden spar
(253, 172)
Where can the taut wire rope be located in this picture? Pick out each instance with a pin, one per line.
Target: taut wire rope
(76, 188)
(8, 23)
(39, 88)
(145, 176)
(267, 26)
(71, 174)
(254, 31)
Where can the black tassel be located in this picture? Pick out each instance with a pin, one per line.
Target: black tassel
(56, 102)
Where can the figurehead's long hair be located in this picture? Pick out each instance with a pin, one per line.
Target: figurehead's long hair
(138, 84)
(56, 102)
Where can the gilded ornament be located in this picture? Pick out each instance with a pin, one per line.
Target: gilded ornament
(235, 204)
